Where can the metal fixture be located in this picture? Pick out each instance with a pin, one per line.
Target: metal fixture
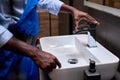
(72, 61)
(90, 29)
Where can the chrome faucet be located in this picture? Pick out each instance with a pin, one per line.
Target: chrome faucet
(90, 29)
(91, 41)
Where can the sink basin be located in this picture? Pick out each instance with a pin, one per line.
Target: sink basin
(74, 54)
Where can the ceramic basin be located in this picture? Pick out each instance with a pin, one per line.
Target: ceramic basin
(74, 47)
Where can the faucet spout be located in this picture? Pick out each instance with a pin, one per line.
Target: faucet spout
(92, 35)
(90, 29)
(91, 41)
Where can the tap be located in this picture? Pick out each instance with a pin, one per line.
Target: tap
(90, 29)
(92, 35)
(91, 41)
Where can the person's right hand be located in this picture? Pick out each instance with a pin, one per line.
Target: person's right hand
(46, 61)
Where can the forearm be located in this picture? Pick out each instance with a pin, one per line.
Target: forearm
(43, 60)
(52, 6)
(20, 47)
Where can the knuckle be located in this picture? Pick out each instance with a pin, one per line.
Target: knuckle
(76, 18)
(86, 14)
(53, 58)
(47, 66)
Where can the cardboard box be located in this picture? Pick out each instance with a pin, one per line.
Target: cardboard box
(97, 1)
(113, 3)
(43, 24)
(117, 4)
(109, 3)
(54, 25)
(48, 24)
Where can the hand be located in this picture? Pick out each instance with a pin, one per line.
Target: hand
(46, 61)
(80, 15)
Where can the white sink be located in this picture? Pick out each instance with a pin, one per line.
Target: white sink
(75, 47)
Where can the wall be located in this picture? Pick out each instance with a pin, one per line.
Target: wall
(108, 33)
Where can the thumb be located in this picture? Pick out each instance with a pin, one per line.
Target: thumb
(76, 25)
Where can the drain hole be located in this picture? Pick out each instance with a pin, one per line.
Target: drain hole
(72, 61)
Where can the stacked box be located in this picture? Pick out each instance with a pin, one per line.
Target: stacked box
(117, 4)
(48, 24)
(97, 1)
(43, 24)
(54, 25)
(113, 3)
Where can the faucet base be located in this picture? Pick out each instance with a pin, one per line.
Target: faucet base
(91, 46)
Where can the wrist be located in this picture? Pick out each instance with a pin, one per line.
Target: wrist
(67, 8)
(33, 52)
(20, 47)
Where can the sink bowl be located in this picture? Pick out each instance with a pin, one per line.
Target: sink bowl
(74, 54)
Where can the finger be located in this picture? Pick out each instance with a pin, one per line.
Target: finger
(91, 19)
(48, 69)
(57, 62)
(76, 24)
(53, 65)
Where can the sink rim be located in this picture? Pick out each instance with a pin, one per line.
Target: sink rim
(104, 70)
(101, 56)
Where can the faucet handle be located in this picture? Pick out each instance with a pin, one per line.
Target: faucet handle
(82, 28)
(92, 25)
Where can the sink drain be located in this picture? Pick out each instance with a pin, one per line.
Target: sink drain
(72, 61)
